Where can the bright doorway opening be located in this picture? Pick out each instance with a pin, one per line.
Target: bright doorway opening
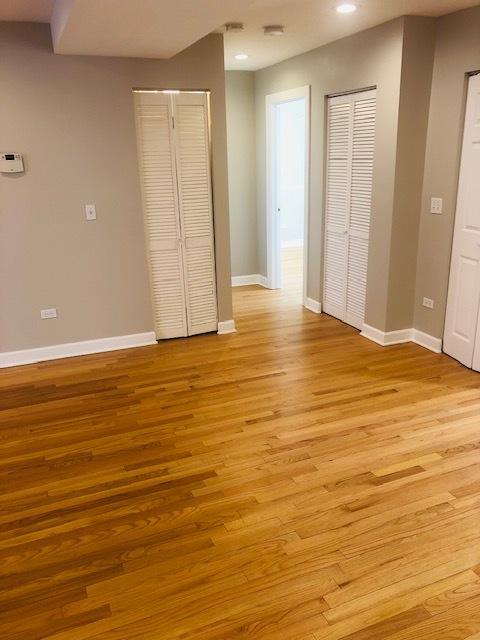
(287, 191)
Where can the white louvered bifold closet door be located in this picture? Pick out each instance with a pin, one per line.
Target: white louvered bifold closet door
(174, 159)
(195, 199)
(350, 153)
(161, 213)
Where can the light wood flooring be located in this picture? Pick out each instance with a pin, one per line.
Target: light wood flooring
(292, 481)
(292, 273)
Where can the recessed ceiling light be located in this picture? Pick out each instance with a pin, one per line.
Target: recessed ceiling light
(241, 56)
(274, 30)
(346, 8)
(234, 27)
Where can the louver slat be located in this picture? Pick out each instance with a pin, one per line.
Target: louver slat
(161, 214)
(356, 281)
(194, 185)
(349, 178)
(336, 207)
(335, 273)
(338, 147)
(364, 111)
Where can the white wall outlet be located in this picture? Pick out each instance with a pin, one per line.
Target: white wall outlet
(428, 302)
(436, 205)
(90, 212)
(46, 314)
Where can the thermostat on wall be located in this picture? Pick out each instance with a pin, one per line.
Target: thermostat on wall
(11, 163)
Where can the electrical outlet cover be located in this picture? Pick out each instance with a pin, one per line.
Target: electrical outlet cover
(436, 206)
(46, 314)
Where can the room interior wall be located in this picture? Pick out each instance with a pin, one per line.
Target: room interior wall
(73, 119)
(415, 85)
(330, 69)
(240, 108)
(457, 53)
(397, 58)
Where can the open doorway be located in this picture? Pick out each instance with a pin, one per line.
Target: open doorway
(287, 191)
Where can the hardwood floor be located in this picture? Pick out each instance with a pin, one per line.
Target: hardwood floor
(292, 481)
(292, 273)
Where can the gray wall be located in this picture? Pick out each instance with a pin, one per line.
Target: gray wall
(417, 67)
(240, 103)
(73, 118)
(396, 57)
(370, 58)
(457, 53)
(420, 67)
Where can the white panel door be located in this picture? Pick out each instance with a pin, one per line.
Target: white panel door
(349, 174)
(462, 331)
(191, 134)
(161, 213)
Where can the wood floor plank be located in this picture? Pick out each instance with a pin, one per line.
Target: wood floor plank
(292, 481)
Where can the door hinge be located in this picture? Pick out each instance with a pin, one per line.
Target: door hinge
(173, 122)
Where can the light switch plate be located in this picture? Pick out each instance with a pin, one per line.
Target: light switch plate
(428, 302)
(436, 205)
(46, 314)
(90, 212)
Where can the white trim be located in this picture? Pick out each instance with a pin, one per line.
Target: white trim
(227, 326)
(273, 237)
(403, 335)
(254, 278)
(313, 305)
(427, 341)
(386, 338)
(71, 349)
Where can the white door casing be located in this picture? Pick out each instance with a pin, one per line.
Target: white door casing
(462, 331)
(272, 214)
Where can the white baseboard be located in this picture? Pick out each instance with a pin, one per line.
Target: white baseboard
(386, 338)
(70, 349)
(227, 326)
(313, 305)
(403, 335)
(427, 341)
(254, 278)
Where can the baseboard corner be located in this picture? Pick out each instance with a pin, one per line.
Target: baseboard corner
(253, 278)
(426, 340)
(386, 338)
(312, 305)
(226, 326)
(403, 335)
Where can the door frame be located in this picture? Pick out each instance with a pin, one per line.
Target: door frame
(272, 226)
